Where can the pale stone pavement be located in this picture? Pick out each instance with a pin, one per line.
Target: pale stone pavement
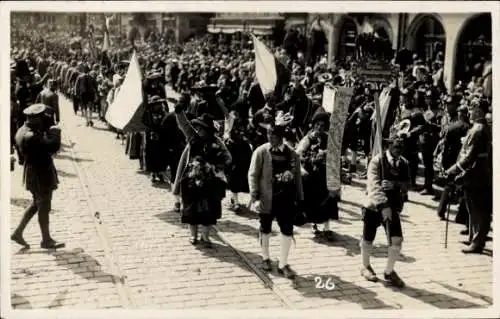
(134, 253)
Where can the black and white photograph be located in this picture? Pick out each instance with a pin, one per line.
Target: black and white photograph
(209, 159)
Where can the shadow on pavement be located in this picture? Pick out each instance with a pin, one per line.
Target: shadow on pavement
(165, 185)
(73, 260)
(71, 158)
(307, 286)
(421, 204)
(229, 226)
(19, 302)
(228, 255)
(245, 212)
(20, 202)
(66, 174)
(171, 217)
(438, 300)
(470, 293)
(351, 245)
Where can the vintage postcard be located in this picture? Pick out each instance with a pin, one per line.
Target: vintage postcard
(248, 159)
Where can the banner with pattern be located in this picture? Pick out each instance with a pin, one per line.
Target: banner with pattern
(338, 118)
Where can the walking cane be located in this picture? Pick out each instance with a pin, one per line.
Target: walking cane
(447, 221)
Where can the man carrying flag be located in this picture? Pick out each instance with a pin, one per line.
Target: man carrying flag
(388, 178)
(105, 61)
(273, 76)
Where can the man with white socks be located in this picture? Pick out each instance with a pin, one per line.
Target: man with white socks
(276, 192)
(388, 178)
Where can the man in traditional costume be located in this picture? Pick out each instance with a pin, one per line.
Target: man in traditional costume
(388, 178)
(275, 184)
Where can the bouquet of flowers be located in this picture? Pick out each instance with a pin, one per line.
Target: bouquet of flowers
(284, 178)
(199, 172)
(315, 157)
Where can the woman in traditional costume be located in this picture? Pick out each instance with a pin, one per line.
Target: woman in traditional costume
(200, 179)
(319, 206)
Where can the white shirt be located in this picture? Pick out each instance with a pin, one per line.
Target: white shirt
(281, 148)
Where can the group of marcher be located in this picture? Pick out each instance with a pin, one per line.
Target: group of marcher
(224, 134)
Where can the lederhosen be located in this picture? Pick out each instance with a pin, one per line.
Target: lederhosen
(283, 209)
(373, 219)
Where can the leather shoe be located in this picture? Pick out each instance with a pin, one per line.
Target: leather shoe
(19, 240)
(472, 250)
(464, 232)
(51, 244)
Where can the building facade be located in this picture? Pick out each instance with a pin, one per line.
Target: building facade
(457, 36)
(178, 25)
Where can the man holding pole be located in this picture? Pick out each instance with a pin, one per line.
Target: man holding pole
(388, 178)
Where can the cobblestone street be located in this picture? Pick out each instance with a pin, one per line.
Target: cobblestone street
(125, 248)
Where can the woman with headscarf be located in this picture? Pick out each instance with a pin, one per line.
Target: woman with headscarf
(320, 207)
(200, 179)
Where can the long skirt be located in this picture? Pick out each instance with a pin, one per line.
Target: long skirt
(199, 207)
(155, 156)
(319, 205)
(133, 148)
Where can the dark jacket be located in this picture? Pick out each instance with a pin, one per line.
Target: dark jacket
(474, 159)
(36, 149)
(51, 99)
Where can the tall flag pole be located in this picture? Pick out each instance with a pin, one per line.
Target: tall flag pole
(272, 75)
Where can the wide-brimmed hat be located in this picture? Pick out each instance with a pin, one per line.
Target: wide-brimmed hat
(206, 121)
(325, 77)
(35, 109)
(321, 116)
(153, 75)
(155, 100)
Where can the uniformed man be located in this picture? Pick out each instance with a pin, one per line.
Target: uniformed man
(85, 88)
(37, 144)
(454, 128)
(473, 169)
(388, 178)
(49, 98)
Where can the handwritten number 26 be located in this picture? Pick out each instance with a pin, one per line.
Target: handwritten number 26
(328, 284)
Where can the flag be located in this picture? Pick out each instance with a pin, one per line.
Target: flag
(328, 98)
(105, 43)
(341, 100)
(379, 117)
(126, 111)
(273, 76)
(377, 143)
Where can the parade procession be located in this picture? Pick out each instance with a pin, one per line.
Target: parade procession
(262, 160)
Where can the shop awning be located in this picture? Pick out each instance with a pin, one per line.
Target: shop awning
(231, 29)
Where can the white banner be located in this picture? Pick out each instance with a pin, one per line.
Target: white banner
(265, 67)
(328, 98)
(129, 98)
(338, 118)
